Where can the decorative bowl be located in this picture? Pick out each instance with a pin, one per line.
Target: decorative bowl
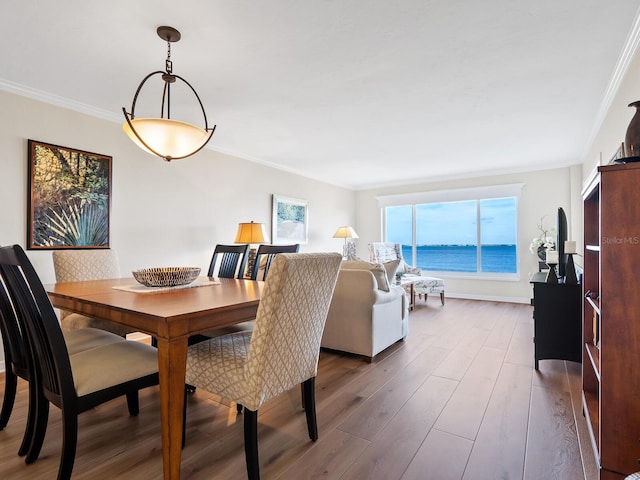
(166, 276)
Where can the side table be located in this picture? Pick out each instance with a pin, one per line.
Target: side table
(407, 282)
(557, 316)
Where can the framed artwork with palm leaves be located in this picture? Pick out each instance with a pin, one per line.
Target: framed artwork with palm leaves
(69, 198)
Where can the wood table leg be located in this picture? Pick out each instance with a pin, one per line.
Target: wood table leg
(172, 364)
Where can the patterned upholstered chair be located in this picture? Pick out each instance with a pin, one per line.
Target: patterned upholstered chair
(79, 265)
(384, 252)
(282, 352)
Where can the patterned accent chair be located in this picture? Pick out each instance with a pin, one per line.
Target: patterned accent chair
(79, 265)
(384, 252)
(282, 352)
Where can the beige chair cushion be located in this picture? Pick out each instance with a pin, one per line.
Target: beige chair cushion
(109, 365)
(87, 338)
(377, 269)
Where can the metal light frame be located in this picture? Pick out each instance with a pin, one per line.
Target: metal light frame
(170, 35)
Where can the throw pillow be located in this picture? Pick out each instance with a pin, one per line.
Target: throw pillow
(377, 269)
(391, 268)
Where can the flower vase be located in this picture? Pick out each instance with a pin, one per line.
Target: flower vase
(632, 137)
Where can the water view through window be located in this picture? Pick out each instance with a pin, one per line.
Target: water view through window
(466, 236)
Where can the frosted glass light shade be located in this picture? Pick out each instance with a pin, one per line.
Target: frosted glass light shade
(169, 139)
(250, 233)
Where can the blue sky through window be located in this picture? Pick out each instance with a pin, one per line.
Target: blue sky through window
(454, 223)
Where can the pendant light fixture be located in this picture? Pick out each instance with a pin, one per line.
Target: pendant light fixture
(165, 137)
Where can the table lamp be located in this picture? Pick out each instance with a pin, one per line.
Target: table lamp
(570, 273)
(552, 261)
(346, 232)
(251, 233)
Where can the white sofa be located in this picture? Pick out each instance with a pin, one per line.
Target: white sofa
(366, 314)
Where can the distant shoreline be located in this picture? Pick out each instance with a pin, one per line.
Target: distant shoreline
(498, 258)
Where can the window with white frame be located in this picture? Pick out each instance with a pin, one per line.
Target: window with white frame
(454, 232)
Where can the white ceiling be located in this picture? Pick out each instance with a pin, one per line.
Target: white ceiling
(358, 93)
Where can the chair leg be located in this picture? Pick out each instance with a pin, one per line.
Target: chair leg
(133, 402)
(309, 387)
(251, 444)
(41, 419)
(10, 389)
(32, 420)
(442, 297)
(69, 443)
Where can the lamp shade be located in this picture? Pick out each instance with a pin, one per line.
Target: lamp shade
(570, 246)
(345, 232)
(167, 138)
(250, 233)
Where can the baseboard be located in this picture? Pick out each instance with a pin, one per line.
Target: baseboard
(488, 298)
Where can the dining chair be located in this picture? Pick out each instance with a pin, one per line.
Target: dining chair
(18, 363)
(268, 253)
(281, 352)
(80, 265)
(75, 382)
(233, 261)
(265, 256)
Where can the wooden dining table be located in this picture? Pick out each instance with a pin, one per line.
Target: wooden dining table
(171, 316)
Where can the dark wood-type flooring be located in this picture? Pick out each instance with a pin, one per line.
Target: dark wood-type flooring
(459, 399)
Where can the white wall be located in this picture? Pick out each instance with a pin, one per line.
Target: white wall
(162, 214)
(614, 125)
(543, 193)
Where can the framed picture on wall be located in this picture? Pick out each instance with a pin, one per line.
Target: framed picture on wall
(69, 198)
(289, 220)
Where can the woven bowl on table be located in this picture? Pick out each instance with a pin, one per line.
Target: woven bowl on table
(166, 276)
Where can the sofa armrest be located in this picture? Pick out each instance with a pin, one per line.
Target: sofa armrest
(395, 291)
(355, 287)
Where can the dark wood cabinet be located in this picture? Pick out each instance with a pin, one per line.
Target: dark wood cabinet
(611, 318)
(557, 315)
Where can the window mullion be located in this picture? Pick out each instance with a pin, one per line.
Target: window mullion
(414, 229)
(478, 238)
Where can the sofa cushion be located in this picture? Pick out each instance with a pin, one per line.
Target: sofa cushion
(391, 267)
(376, 269)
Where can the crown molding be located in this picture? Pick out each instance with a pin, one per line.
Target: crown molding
(622, 66)
(58, 101)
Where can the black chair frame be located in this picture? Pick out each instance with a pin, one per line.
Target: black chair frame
(231, 256)
(50, 359)
(17, 365)
(270, 251)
